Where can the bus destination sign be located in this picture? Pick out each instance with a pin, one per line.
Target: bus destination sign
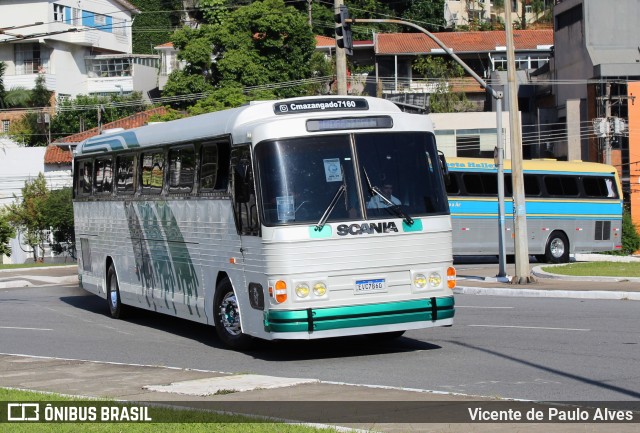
(325, 104)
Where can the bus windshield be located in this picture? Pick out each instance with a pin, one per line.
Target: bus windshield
(300, 177)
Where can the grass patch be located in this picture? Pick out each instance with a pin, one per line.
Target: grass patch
(596, 269)
(36, 265)
(175, 420)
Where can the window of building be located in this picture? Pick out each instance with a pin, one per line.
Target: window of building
(31, 58)
(5, 126)
(125, 174)
(112, 67)
(58, 13)
(152, 172)
(182, 168)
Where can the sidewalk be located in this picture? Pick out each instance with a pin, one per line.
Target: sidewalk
(365, 408)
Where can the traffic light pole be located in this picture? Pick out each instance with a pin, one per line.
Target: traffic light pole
(341, 56)
(500, 144)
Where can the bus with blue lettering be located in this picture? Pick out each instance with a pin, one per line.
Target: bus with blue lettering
(294, 219)
(571, 207)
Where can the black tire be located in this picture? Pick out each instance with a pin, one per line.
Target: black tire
(557, 249)
(116, 309)
(226, 317)
(540, 258)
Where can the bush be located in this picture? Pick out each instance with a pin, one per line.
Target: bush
(630, 236)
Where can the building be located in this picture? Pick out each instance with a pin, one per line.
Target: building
(596, 71)
(476, 12)
(80, 47)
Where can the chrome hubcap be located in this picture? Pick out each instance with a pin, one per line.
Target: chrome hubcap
(113, 293)
(229, 315)
(557, 248)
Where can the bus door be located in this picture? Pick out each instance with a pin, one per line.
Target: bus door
(249, 285)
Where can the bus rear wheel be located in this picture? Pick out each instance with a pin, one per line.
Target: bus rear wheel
(557, 250)
(226, 317)
(116, 309)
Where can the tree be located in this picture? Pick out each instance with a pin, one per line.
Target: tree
(6, 233)
(154, 25)
(27, 215)
(58, 215)
(428, 14)
(32, 128)
(630, 236)
(73, 116)
(442, 100)
(259, 44)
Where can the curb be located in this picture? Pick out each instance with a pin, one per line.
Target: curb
(533, 293)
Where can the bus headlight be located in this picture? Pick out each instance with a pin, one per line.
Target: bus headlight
(319, 289)
(435, 279)
(302, 290)
(420, 281)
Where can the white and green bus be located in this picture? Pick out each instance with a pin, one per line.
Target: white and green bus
(295, 219)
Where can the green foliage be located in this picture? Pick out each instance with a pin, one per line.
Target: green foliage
(153, 26)
(169, 116)
(70, 121)
(255, 45)
(17, 97)
(27, 214)
(58, 213)
(427, 14)
(630, 236)
(40, 95)
(442, 100)
(6, 234)
(30, 130)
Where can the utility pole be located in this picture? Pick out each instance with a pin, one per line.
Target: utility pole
(341, 56)
(499, 145)
(607, 115)
(521, 244)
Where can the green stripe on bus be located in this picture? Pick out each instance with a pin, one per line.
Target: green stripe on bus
(415, 227)
(320, 234)
(358, 315)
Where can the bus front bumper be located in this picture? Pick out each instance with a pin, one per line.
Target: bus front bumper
(353, 320)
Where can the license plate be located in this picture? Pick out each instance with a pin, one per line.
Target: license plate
(369, 286)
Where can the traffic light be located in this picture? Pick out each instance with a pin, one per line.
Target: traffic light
(343, 31)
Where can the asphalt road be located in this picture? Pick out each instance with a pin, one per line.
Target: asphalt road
(525, 348)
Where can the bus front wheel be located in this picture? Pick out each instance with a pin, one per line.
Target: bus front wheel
(557, 250)
(116, 309)
(226, 317)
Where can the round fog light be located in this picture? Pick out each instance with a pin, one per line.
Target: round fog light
(420, 281)
(319, 289)
(435, 279)
(302, 290)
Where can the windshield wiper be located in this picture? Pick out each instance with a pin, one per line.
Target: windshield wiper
(332, 205)
(396, 209)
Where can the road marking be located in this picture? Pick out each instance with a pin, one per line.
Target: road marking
(481, 307)
(529, 327)
(26, 329)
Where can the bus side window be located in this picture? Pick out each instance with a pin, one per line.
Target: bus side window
(244, 195)
(181, 170)
(85, 175)
(561, 185)
(152, 172)
(600, 187)
(125, 174)
(103, 177)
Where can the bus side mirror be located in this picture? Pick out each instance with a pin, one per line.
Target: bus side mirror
(443, 163)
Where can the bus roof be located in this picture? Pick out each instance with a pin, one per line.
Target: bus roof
(235, 122)
(530, 165)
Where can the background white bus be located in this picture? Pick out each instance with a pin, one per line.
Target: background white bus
(271, 220)
(572, 207)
